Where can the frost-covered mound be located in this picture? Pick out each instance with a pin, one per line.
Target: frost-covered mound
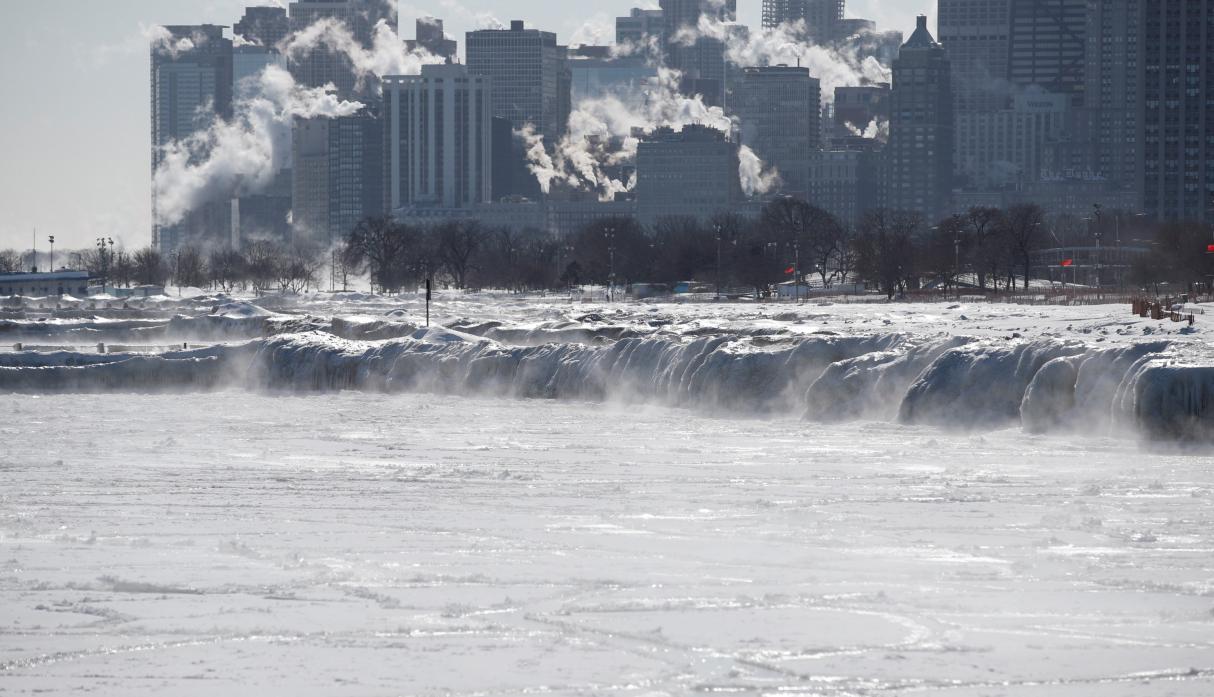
(957, 382)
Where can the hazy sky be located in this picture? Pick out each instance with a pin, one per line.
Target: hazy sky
(74, 126)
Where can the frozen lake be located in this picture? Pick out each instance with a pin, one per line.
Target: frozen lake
(371, 544)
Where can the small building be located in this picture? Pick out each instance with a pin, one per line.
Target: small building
(41, 285)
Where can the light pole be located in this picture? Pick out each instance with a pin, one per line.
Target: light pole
(717, 227)
(1099, 233)
(609, 233)
(52, 239)
(796, 267)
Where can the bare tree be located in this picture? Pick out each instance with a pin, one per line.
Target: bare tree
(228, 268)
(149, 267)
(1024, 229)
(387, 249)
(10, 261)
(457, 243)
(189, 268)
(886, 252)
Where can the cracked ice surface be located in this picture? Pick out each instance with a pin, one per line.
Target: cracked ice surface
(390, 544)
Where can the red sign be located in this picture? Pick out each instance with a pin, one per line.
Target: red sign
(1210, 249)
(1068, 262)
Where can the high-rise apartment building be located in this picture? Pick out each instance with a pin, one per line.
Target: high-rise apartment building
(700, 59)
(976, 34)
(1177, 124)
(530, 76)
(919, 156)
(1112, 93)
(338, 175)
(323, 65)
(778, 109)
(439, 138)
(822, 18)
(263, 26)
(1047, 46)
(191, 87)
(693, 172)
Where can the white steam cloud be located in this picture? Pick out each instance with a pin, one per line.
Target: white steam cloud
(241, 156)
(386, 56)
(601, 130)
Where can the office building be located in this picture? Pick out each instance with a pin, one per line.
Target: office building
(976, 34)
(439, 138)
(323, 65)
(1012, 146)
(596, 73)
(640, 29)
(699, 59)
(530, 76)
(1112, 93)
(248, 64)
(778, 109)
(860, 108)
(1178, 109)
(821, 18)
(263, 26)
(191, 87)
(845, 182)
(1047, 46)
(919, 157)
(693, 172)
(338, 175)
(433, 39)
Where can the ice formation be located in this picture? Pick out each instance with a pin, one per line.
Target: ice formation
(955, 383)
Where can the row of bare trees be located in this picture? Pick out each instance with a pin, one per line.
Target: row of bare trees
(791, 239)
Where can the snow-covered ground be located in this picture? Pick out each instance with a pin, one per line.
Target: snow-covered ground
(371, 544)
(319, 496)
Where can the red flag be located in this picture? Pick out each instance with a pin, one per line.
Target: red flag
(790, 270)
(1210, 249)
(1068, 262)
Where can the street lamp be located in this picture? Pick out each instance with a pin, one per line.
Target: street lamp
(52, 239)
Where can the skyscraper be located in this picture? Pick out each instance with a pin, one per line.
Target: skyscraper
(1112, 93)
(530, 74)
(191, 87)
(919, 157)
(322, 65)
(700, 59)
(338, 175)
(778, 108)
(1047, 46)
(822, 17)
(432, 38)
(976, 35)
(264, 26)
(438, 129)
(1178, 110)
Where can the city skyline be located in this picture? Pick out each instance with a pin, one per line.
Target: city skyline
(104, 162)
